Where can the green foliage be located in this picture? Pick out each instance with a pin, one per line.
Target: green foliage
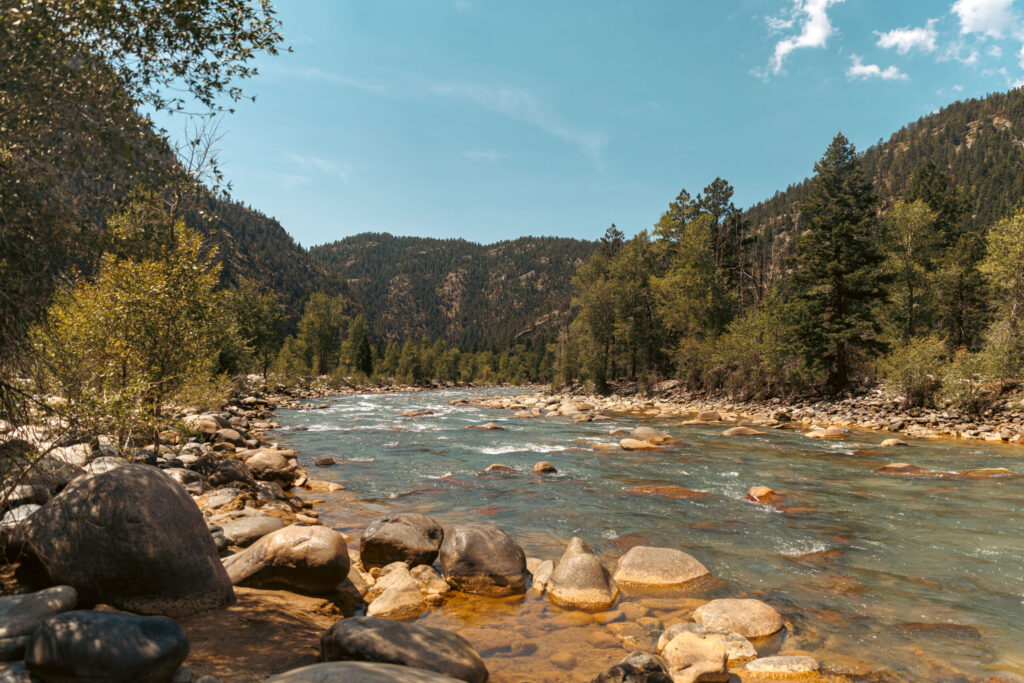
(320, 331)
(913, 245)
(356, 352)
(118, 346)
(913, 369)
(1004, 266)
(964, 383)
(259, 320)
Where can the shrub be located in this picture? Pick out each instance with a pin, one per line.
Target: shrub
(913, 369)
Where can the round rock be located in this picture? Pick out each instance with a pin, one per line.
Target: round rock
(412, 538)
(311, 559)
(651, 567)
(483, 559)
(746, 616)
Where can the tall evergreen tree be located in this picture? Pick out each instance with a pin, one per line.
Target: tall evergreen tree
(837, 278)
(357, 352)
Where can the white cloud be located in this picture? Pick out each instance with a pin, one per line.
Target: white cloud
(987, 17)
(858, 69)
(906, 39)
(490, 155)
(338, 170)
(995, 51)
(815, 28)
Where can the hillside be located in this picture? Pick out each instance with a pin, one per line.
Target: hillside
(467, 293)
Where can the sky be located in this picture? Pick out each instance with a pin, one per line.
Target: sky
(493, 119)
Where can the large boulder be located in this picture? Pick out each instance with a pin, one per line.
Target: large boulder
(746, 616)
(658, 568)
(359, 672)
(367, 639)
(245, 531)
(581, 580)
(483, 559)
(232, 436)
(638, 667)
(412, 538)
(131, 538)
(269, 465)
(21, 614)
(205, 425)
(311, 559)
(650, 435)
(106, 646)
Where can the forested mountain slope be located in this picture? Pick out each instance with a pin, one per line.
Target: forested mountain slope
(466, 293)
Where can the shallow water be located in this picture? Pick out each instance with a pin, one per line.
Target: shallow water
(919, 577)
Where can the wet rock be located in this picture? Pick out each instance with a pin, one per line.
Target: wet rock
(737, 648)
(497, 468)
(106, 646)
(638, 667)
(827, 433)
(902, 468)
(783, 666)
(432, 585)
(709, 416)
(359, 672)
(988, 473)
(21, 614)
(392, 642)
(748, 617)
(412, 538)
(483, 559)
(130, 538)
(650, 435)
(269, 465)
(488, 427)
(325, 462)
(764, 496)
(320, 486)
(651, 567)
(668, 491)
(606, 446)
(741, 431)
(544, 467)
(580, 580)
(637, 445)
(247, 530)
(890, 443)
(690, 657)
(396, 594)
(542, 575)
(312, 559)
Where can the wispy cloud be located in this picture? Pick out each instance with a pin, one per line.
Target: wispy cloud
(522, 105)
(314, 73)
(859, 70)
(490, 155)
(815, 28)
(988, 17)
(906, 39)
(334, 169)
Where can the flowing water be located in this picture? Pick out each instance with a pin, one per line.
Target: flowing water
(911, 578)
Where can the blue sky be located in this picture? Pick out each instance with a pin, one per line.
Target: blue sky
(489, 119)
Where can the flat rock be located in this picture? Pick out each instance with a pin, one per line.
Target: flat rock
(247, 530)
(359, 672)
(392, 642)
(668, 491)
(748, 617)
(652, 567)
(783, 665)
(312, 559)
(483, 559)
(637, 445)
(890, 443)
(412, 538)
(741, 431)
(106, 646)
(650, 435)
(902, 468)
(498, 468)
(737, 648)
(21, 614)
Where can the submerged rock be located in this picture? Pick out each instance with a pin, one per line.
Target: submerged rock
(783, 665)
(392, 642)
(650, 567)
(311, 559)
(638, 667)
(889, 443)
(581, 580)
(131, 538)
(902, 468)
(412, 538)
(668, 491)
(748, 617)
(764, 496)
(741, 431)
(650, 435)
(359, 672)
(497, 468)
(106, 646)
(483, 559)
(544, 467)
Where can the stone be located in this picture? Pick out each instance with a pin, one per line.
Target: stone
(764, 496)
(23, 494)
(325, 462)
(21, 614)
(396, 595)
(269, 491)
(889, 443)
(741, 431)
(483, 559)
(393, 642)
(205, 425)
(709, 416)
(497, 468)
(649, 434)
(651, 567)
(542, 575)
(748, 617)
(226, 471)
(50, 473)
(827, 433)
(312, 559)
(191, 481)
(490, 426)
(901, 468)
(637, 445)
(130, 538)
(668, 491)
(221, 498)
(18, 515)
(599, 446)
(544, 467)
(737, 648)
(359, 672)
(219, 539)
(580, 580)
(638, 667)
(412, 538)
(106, 646)
(231, 436)
(690, 657)
(988, 473)
(104, 464)
(76, 454)
(247, 530)
(432, 585)
(269, 465)
(783, 665)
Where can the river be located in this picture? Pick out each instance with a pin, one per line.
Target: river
(913, 578)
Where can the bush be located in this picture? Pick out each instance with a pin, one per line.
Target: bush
(913, 369)
(963, 383)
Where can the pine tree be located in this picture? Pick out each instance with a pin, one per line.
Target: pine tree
(837, 278)
(357, 352)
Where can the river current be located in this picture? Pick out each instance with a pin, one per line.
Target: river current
(896, 577)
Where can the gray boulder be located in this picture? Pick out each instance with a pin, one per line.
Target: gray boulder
(247, 530)
(412, 538)
(580, 580)
(368, 639)
(270, 465)
(106, 646)
(483, 559)
(359, 672)
(21, 614)
(130, 538)
(105, 463)
(311, 559)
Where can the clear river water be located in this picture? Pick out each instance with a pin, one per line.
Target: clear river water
(880, 576)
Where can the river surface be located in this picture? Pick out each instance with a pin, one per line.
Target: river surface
(911, 578)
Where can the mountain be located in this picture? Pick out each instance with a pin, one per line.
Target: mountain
(466, 293)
